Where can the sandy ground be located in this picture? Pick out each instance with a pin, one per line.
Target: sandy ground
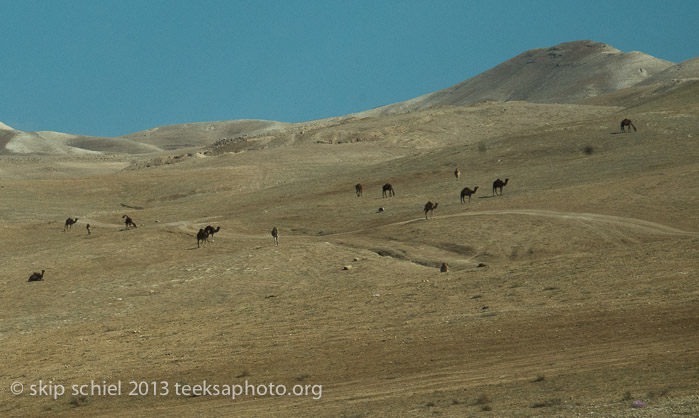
(572, 294)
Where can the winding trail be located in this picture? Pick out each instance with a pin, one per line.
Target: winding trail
(592, 219)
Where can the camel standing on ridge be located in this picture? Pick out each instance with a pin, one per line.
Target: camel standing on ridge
(467, 192)
(387, 190)
(499, 184)
(430, 207)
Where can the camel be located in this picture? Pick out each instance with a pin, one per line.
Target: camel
(210, 231)
(88, 229)
(467, 192)
(625, 123)
(444, 268)
(275, 235)
(202, 236)
(457, 173)
(499, 184)
(430, 207)
(128, 221)
(387, 190)
(69, 223)
(358, 190)
(37, 277)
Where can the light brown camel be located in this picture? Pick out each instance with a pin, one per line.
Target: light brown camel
(358, 190)
(128, 221)
(499, 184)
(387, 190)
(625, 123)
(36, 277)
(275, 235)
(430, 207)
(457, 173)
(69, 223)
(467, 192)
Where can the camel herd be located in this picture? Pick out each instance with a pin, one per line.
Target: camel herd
(387, 191)
(203, 236)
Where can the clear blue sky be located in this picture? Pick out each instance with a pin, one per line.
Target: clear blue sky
(110, 68)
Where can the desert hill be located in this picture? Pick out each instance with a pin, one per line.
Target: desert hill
(565, 73)
(681, 76)
(583, 72)
(191, 135)
(685, 70)
(571, 293)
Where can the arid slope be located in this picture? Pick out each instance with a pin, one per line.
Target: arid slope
(573, 293)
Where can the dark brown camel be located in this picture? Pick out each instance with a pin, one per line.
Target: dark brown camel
(88, 229)
(275, 235)
(202, 236)
(358, 189)
(430, 207)
(467, 192)
(387, 190)
(128, 221)
(36, 277)
(499, 184)
(69, 223)
(627, 123)
(211, 231)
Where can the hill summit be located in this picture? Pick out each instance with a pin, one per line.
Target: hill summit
(565, 73)
(580, 72)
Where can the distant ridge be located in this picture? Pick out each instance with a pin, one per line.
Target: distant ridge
(4, 127)
(189, 135)
(202, 133)
(685, 70)
(581, 72)
(565, 73)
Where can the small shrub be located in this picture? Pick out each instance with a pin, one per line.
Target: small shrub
(547, 404)
(76, 402)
